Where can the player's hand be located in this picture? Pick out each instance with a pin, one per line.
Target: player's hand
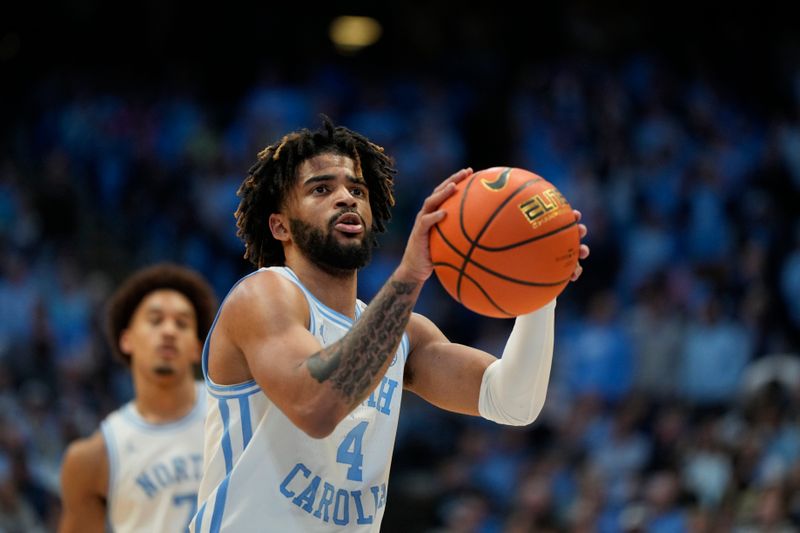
(416, 260)
(583, 252)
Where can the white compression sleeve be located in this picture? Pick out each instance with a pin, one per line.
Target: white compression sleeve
(514, 387)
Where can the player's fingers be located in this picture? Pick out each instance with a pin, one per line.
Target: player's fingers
(455, 178)
(426, 222)
(583, 252)
(578, 215)
(582, 231)
(577, 273)
(433, 201)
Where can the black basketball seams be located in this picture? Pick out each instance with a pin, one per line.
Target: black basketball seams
(474, 243)
(489, 270)
(478, 285)
(526, 241)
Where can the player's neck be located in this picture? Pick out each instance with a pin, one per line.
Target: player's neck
(337, 292)
(160, 404)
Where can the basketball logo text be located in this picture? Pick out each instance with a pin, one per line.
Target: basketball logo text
(543, 206)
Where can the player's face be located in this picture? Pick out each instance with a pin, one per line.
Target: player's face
(330, 215)
(162, 335)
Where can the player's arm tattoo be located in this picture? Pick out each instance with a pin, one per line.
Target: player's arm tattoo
(352, 363)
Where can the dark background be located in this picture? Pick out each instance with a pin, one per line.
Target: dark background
(218, 53)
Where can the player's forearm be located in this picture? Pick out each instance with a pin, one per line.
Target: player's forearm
(514, 387)
(355, 364)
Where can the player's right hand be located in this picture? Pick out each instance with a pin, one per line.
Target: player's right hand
(416, 262)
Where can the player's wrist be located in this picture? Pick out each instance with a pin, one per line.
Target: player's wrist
(406, 274)
(548, 307)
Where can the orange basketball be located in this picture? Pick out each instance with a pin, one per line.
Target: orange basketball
(508, 244)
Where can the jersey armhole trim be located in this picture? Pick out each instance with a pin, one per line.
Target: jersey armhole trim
(113, 463)
(246, 388)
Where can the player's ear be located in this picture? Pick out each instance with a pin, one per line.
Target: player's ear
(279, 226)
(125, 342)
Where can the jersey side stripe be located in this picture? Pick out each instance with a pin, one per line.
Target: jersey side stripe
(227, 449)
(227, 452)
(198, 524)
(247, 429)
(219, 506)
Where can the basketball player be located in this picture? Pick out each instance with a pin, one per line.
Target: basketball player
(140, 471)
(306, 380)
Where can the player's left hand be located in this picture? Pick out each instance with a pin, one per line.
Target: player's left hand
(583, 253)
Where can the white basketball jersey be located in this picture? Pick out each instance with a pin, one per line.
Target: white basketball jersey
(154, 469)
(263, 474)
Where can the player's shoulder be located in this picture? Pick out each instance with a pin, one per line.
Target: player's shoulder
(87, 448)
(263, 284)
(264, 292)
(86, 461)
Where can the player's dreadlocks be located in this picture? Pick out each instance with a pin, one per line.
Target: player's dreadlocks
(271, 178)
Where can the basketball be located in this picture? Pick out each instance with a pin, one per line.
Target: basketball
(508, 245)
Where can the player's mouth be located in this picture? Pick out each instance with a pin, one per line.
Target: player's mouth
(167, 350)
(349, 223)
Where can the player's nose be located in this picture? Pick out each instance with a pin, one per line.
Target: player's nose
(344, 197)
(169, 328)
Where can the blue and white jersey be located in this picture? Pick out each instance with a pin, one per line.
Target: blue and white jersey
(263, 474)
(154, 469)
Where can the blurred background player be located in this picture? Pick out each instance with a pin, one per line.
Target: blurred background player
(140, 471)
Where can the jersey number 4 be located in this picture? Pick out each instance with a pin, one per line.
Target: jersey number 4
(349, 452)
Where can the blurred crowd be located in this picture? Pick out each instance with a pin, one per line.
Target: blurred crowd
(674, 400)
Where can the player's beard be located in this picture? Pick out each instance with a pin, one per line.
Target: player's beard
(164, 370)
(333, 256)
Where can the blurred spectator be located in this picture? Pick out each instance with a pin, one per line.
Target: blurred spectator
(656, 328)
(595, 356)
(665, 511)
(707, 470)
(790, 280)
(716, 350)
(16, 513)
